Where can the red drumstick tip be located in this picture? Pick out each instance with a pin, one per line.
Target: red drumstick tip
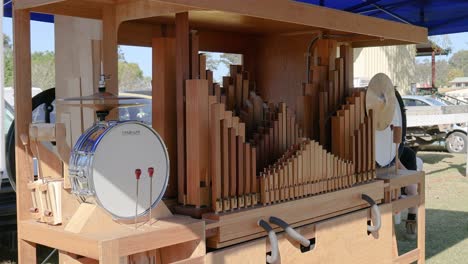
(150, 171)
(137, 174)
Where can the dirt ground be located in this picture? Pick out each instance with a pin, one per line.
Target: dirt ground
(446, 212)
(446, 209)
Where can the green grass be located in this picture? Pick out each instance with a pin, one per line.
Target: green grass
(446, 209)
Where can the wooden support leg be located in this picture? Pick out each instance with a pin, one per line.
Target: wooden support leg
(22, 73)
(109, 252)
(26, 252)
(421, 221)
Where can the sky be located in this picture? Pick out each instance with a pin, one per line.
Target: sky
(42, 39)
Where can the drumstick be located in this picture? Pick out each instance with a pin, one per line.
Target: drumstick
(150, 174)
(137, 176)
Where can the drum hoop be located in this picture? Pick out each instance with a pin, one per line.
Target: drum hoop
(91, 164)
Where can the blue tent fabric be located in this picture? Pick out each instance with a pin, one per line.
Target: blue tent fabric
(7, 12)
(439, 16)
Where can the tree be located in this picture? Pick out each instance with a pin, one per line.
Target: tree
(454, 73)
(43, 69)
(131, 77)
(230, 59)
(8, 61)
(459, 60)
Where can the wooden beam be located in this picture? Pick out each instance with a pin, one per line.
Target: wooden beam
(314, 16)
(182, 74)
(23, 116)
(24, 4)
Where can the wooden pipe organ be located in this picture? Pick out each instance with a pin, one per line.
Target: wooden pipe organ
(273, 139)
(243, 150)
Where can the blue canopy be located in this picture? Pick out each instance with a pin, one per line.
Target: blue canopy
(439, 16)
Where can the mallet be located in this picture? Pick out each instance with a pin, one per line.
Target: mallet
(137, 176)
(150, 174)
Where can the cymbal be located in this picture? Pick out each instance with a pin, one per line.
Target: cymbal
(102, 101)
(380, 97)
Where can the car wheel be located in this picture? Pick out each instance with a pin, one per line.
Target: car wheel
(456, 142)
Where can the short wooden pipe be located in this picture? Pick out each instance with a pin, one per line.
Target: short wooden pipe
(273, 241)
(291, 232)
(33, 210)
(47, 213)
(376, 217)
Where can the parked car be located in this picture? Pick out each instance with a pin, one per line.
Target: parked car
(451, 137)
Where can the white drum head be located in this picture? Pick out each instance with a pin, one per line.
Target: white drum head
(123, 149)
(384, 146)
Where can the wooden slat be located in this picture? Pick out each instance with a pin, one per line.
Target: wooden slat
(163, 118)
(194, 56)
(240, 165)
(224, 158)
(182, 74)
(215, 153)
(253, 167)
(197, 137)
(202, 67)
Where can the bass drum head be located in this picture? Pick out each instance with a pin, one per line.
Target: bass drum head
(121, 150)
(385, 148)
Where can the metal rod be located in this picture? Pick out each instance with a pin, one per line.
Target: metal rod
(137, 176)
(49, 256)
(150, 174)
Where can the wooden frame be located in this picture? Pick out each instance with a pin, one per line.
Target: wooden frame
(258, 30)
(393, 184)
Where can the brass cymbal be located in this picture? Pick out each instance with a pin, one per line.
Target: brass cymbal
(102, 101)
(381, 98)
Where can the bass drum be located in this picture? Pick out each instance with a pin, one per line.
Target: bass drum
(385, 148)
(103, 163)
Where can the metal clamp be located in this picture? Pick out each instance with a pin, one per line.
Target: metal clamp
(273, 241)
(290, 231)
(376, 217)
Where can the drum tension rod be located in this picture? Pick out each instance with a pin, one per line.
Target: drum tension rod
(150, 174)
(137, 176)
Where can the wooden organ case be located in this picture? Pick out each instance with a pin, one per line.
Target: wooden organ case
(282, 135)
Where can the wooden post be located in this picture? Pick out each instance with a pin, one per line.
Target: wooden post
(23, 116)
(109, 47)
(182, 74)
(164, 122)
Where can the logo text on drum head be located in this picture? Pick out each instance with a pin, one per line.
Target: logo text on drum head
(131, 133)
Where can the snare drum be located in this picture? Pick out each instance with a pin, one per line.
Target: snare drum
(103, 163)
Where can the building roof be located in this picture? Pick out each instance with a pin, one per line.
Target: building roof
(460, 80)
(426, 49)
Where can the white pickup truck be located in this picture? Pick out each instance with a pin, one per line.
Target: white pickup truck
(452, 137)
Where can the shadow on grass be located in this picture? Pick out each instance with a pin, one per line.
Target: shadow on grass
(444, 229)
(433, 157)
(461, 168)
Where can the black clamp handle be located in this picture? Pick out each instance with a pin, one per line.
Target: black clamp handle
(273, 241)
(290, 231)
(376, 216)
